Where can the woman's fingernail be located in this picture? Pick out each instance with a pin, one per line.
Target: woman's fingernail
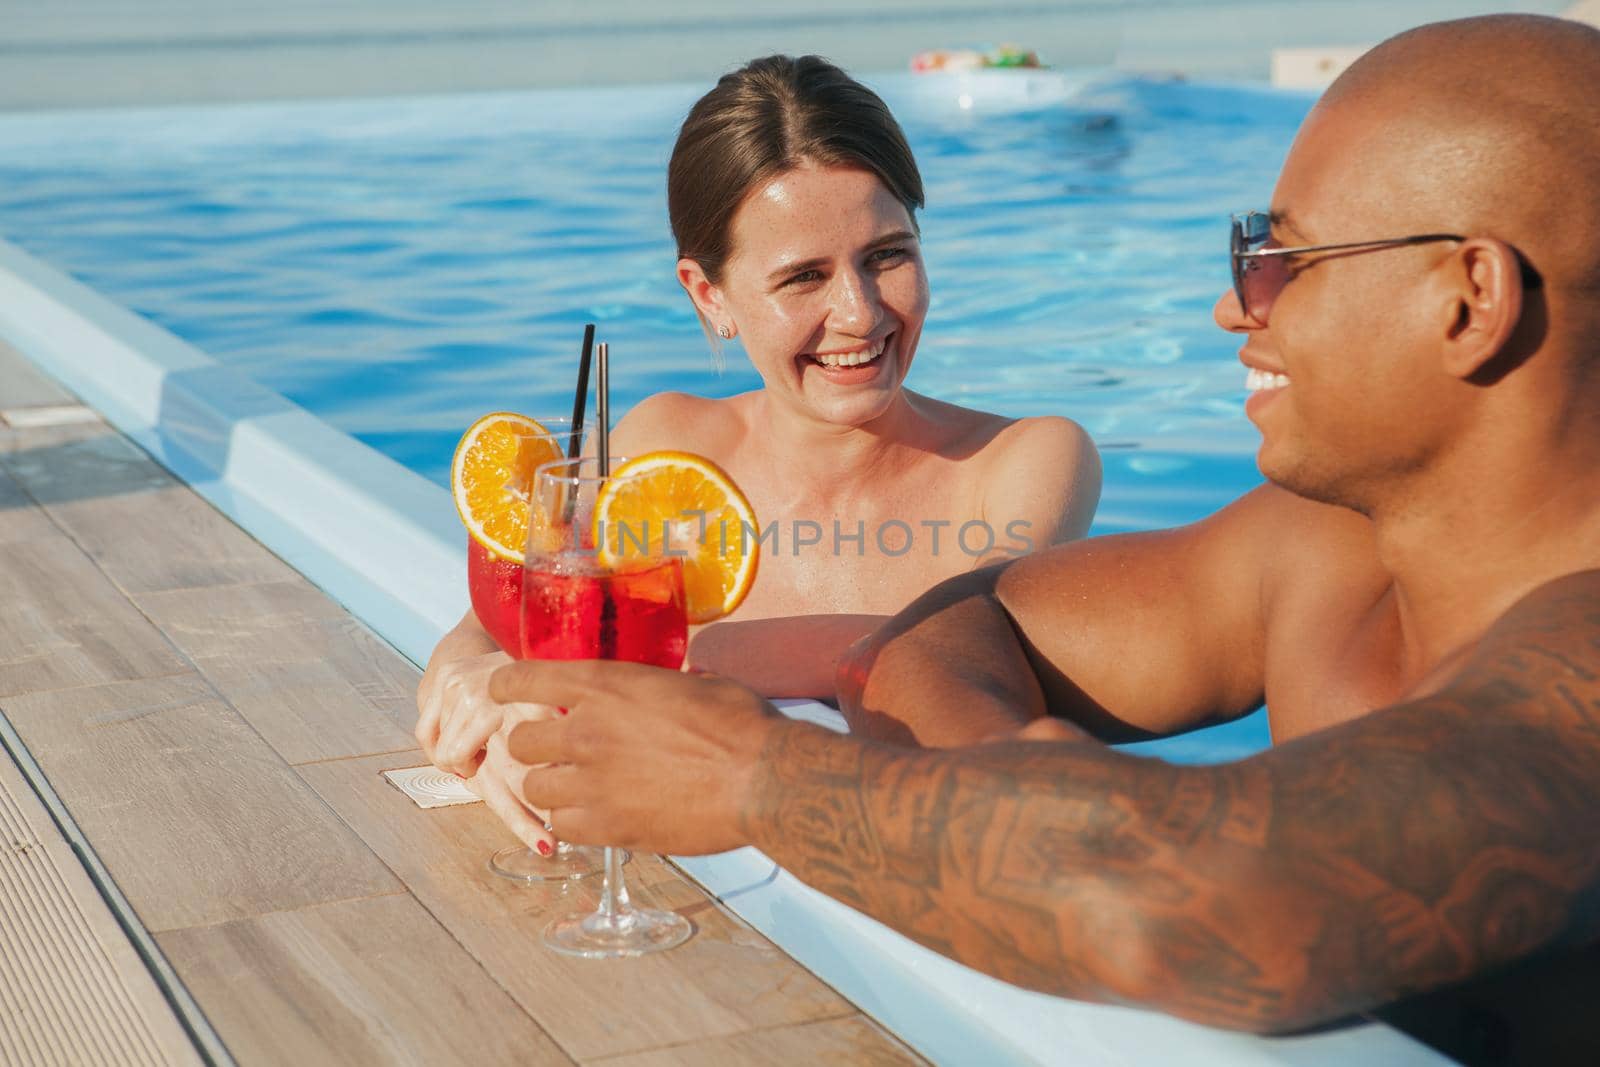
(544, 848)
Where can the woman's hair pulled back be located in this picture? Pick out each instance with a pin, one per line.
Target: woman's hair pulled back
(767, 118)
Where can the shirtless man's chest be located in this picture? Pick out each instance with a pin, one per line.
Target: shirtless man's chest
(1335, 646)
(1332, 662)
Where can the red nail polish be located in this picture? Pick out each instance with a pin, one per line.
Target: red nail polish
(544, 848)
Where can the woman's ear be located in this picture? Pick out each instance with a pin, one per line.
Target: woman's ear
(1487, 305)
(706, 296)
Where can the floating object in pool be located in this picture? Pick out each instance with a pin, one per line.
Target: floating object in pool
(961, 59)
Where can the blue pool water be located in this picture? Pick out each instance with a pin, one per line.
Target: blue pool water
(400, 267)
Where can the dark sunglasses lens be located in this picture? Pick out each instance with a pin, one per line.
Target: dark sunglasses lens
(1255, 228)
(1262, 279)
(1257, 280)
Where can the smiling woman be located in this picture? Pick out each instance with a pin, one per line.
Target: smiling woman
(793, 196)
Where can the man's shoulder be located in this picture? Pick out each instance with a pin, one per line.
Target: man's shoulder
(1573, 597)
(1537, 670)
(1292, 545)
(1554, 626)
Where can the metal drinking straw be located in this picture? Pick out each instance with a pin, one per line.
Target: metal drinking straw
(602, 399)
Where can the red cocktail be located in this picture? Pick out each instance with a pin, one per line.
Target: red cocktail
(580, 601)
(573, 608)
(636, 616)
(495, 585)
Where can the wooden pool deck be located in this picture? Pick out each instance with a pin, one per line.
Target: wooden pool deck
(214, 727)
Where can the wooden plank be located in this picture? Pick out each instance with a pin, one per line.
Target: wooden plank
(24, 385)
(314, 681)
(195, 816)
(73, 989)
(165, 538)
(365, 981)
(728, 979)
(144, 529)
(20, 441)
(855, 1041)
(20, 518)
(65, 625)
(61, 464)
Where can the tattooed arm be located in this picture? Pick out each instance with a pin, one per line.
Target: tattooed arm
(1419, 845)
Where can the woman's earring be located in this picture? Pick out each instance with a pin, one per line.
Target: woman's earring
(724, 333)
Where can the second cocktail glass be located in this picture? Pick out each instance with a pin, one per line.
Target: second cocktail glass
(579, 602)
(495, 586)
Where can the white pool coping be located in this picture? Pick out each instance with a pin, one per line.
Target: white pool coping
(385, 542)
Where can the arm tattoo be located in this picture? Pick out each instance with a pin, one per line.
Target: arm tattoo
(1420, 845)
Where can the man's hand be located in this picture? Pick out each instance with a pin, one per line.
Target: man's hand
(645, 758)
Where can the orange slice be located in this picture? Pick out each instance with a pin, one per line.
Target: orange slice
(705, 516)
(491, 475)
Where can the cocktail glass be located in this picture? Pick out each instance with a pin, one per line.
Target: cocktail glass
(574, 606)
(495, 586)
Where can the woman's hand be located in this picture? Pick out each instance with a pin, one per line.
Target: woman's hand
(456, 717)
(441, 683)
(499, 778)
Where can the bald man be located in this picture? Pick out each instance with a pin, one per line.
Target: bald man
(1415, 597)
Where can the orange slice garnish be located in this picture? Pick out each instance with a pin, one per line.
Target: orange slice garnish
(704, 516)
(492, 474)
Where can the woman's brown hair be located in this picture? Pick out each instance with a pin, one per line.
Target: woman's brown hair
(765, 119)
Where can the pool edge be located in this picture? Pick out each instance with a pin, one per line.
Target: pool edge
(345, 516)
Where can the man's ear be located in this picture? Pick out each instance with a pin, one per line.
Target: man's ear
(1486, 306)
(706, 296)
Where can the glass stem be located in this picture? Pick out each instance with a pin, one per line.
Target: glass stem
(614, 894)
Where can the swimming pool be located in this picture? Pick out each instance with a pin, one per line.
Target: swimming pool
(399, 267)
(1075, 250)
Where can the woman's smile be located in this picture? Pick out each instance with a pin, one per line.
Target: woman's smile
(851, 366)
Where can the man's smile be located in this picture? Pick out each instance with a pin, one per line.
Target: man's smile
(1257, 380)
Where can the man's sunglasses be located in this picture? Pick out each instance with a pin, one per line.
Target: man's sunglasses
(1260, 273)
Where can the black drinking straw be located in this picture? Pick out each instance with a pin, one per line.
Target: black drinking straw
(581, 397)
(602, 401)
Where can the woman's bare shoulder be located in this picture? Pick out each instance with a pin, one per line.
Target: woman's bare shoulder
(1043, 470)
(1048, 467)
(1047, 444)
(682, 421)
(1040, 440)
